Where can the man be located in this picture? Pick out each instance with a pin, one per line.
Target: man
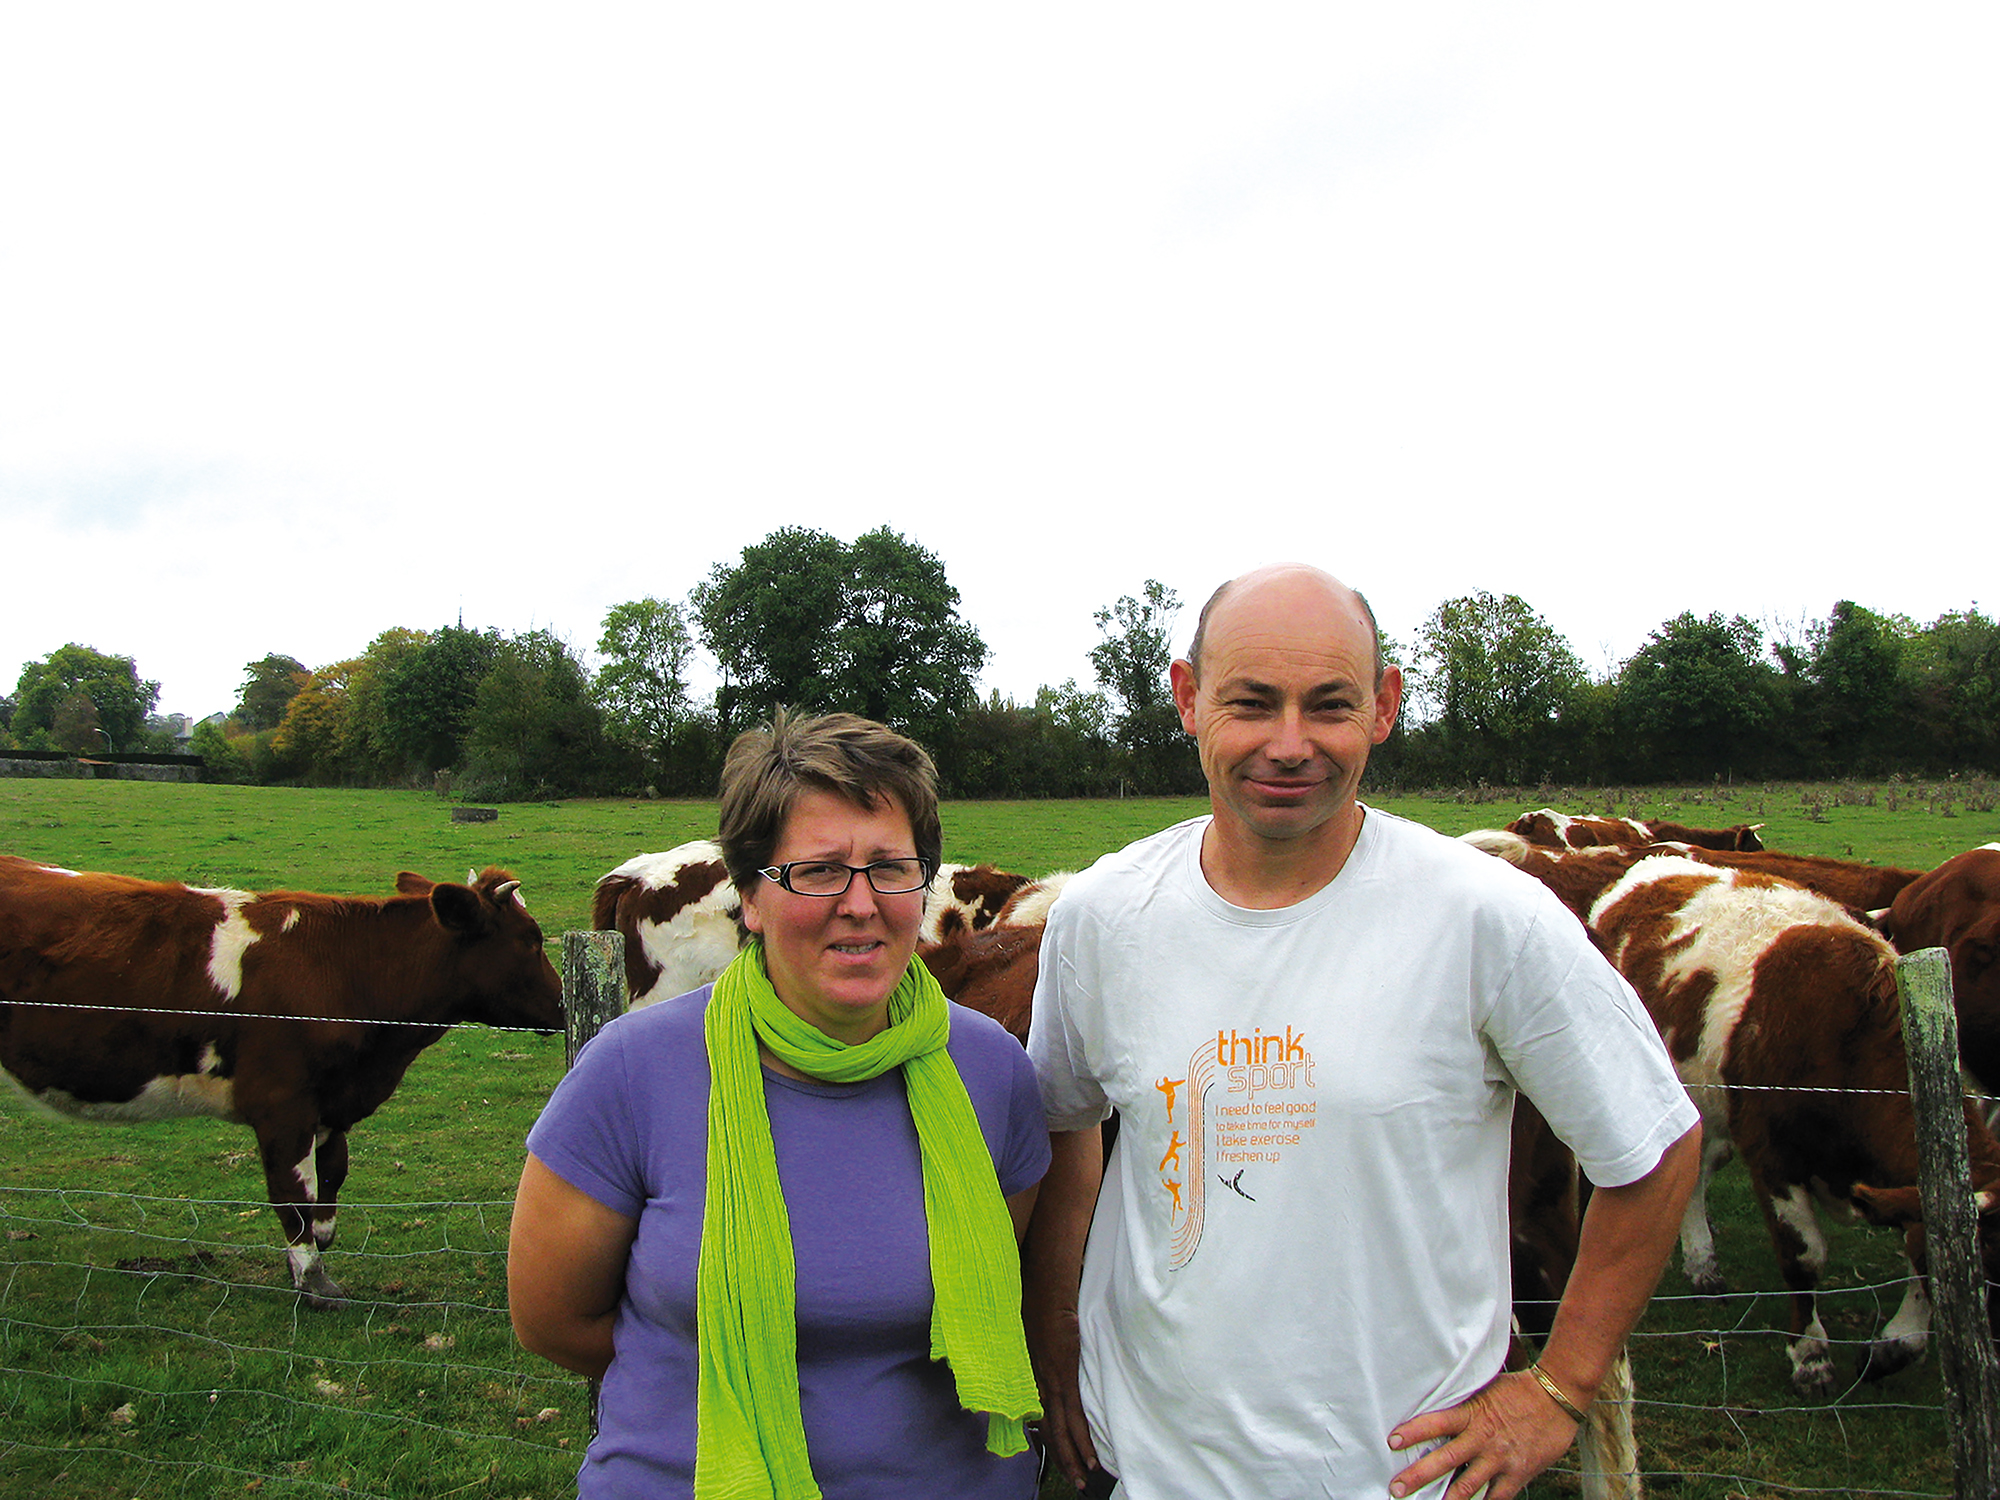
(1312, 1018)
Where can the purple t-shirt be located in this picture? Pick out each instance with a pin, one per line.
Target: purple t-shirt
(628, 1125)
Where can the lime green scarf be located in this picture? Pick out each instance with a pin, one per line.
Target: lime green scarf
(750, 1439)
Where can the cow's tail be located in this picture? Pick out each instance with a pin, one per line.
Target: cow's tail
(604, 901)
(1606, 1448)
(1884, 999)
(1499, 843)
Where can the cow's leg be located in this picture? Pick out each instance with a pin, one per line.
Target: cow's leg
(291, 1176)
(1698, 1260)
(1801, 1246)
(1607, 1450)
(330, 1159)
(1901, 1342)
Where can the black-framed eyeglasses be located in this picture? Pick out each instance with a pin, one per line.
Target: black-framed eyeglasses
(825, 877)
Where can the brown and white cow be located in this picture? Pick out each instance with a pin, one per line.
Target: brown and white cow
(1577, 876)
(682, 919)
(1858, 887)
(1957, 907)
(679, 915)
(1554, 830)
(991, 969)
(1781, 1013)
(1737, 838)
(293, 1013)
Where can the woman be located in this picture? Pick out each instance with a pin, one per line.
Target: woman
(756, 1210)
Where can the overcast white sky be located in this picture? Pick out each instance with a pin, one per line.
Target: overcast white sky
(317, 321)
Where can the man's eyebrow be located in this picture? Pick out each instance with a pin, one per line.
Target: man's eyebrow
(1239, 686)
(1233, 686)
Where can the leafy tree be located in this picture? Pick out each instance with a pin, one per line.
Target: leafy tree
(1695, 700)
(1131, 665)
(872, 628)
(428, 696)
(1491, 678)
(269, 685)
(905, 657)
(1057, 746)
(221, 759)
(308, 743)
(770, 622)
(1074, 734)
(1855, 659)
(643, 687)
(368, 748)
(73, 725)
(535, 728)
(1950, 677)
(119, 700)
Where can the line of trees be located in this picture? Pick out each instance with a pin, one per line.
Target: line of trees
(872, 626)
(1498, 695)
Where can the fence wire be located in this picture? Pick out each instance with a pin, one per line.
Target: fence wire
(199, 1288)
(146, 1335)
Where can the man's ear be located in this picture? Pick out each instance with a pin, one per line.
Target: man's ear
(1180, 676)
(1388, 703)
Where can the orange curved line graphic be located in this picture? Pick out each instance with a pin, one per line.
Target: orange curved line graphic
(1187, 1234)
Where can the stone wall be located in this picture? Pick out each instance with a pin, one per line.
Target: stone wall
(182, 768)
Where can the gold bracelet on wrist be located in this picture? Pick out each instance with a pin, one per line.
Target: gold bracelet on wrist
(1556, 1395)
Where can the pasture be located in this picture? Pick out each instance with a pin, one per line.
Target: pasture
(151, 1346)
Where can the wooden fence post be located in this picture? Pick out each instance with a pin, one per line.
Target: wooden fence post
(593, 981)
(1951, 1228)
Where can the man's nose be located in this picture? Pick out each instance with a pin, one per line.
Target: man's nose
(1289, 741)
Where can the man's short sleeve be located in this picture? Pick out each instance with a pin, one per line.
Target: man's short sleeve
(1066, 1017)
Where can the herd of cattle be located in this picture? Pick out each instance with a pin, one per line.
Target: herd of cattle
(1769, 975)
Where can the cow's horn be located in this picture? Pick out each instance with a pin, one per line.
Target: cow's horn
(471, 876)
(507, 888)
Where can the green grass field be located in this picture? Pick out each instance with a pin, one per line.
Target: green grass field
(150, 1345)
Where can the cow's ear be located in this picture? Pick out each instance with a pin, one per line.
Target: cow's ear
(1976, 955)
(409, 883)
(458, 908)
(1894, 1208)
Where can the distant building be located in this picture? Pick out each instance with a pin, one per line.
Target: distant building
(180, 726)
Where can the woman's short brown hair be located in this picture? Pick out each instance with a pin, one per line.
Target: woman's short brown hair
(851, 757)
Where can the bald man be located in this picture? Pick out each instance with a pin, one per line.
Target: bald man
(1312, 1018)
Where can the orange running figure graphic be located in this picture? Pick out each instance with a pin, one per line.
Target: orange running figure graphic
(1167, 1087)
(1174, 1188)
(1173, 1154)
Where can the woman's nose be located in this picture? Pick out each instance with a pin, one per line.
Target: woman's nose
(859, 897)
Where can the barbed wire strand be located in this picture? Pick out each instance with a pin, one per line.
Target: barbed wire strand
(258, 1015)
(528, 1380)
(239, 1015)
(75, 1221)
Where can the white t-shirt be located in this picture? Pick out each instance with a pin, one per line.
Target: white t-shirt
(1302, 1236)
